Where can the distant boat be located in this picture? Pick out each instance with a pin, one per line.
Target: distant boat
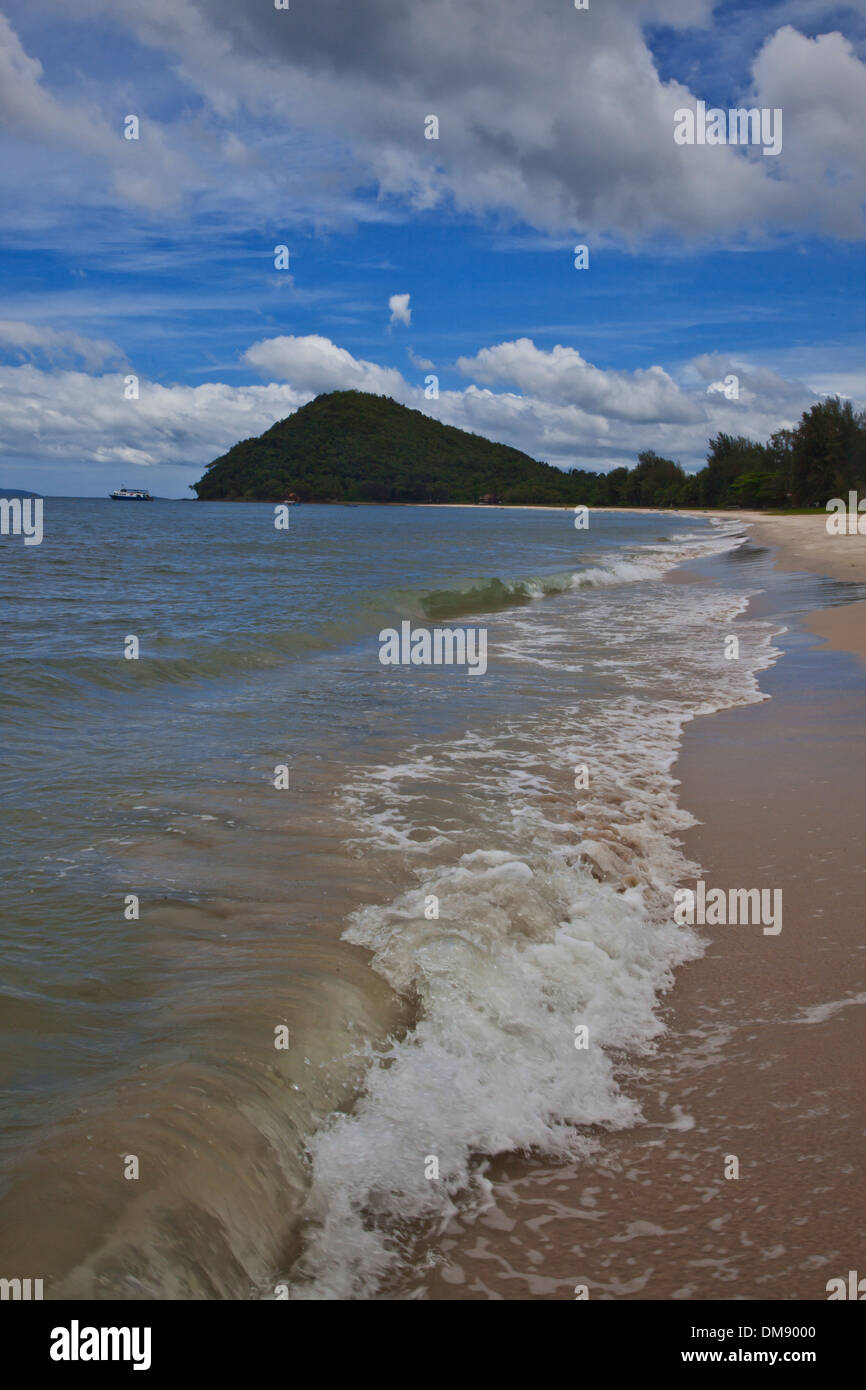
(131, 494)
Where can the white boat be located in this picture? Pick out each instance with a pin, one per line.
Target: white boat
(131, 494)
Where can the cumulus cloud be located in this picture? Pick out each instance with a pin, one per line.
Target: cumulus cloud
(314, 363)
(550, 116)
(400, 311)
(820, 84)
(754, 385)
(73, 416)
(48, 416)
(562, 375)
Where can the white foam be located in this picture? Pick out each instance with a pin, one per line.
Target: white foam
(554, 912)
(819, 1013)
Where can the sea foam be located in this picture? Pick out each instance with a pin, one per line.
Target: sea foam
(554, 914)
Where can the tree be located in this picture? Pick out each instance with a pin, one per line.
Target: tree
(827, 453)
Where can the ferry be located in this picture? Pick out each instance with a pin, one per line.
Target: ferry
(131, 494)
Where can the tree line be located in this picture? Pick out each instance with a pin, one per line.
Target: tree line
(823, 457)
(351, 446)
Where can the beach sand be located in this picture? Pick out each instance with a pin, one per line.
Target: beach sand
(803, 544)
(760, 1063)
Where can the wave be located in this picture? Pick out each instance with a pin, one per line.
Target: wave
(166, 661)
(554, 914)
(554, 910)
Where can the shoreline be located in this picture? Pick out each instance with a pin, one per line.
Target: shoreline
(758, 1063)
(803, 545)
(761, 747)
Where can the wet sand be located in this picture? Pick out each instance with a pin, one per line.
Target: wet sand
(761, 1060)
(802, 543)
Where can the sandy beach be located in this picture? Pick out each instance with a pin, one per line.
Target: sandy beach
(756, 1075)
(802, 543)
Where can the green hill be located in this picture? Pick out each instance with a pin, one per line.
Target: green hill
(349, 446)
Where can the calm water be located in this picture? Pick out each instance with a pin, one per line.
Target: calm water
(155, 1141)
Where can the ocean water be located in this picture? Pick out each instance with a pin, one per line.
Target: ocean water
(425, 914)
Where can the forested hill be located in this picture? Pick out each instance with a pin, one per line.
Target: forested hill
(350, 446)
(353, 447)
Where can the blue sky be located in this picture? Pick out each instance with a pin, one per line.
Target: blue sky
(305, 128)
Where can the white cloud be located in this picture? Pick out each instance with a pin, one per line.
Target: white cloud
(314, 363)
(27, 106)
(400, 311)
(54, 128)
(558, 118)
(75, 417)
(562, 375)
(27, 340)
(820, 84)
(72, 416)
(754, 384)
(422, 363)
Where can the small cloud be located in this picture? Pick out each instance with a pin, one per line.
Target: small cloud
(400, 311)
(422, 363)
(27, 341)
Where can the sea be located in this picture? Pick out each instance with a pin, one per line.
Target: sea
(295, 942)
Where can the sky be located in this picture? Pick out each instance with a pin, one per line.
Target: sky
(147, 321)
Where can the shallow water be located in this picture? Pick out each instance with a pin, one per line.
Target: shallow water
(413, 1036)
